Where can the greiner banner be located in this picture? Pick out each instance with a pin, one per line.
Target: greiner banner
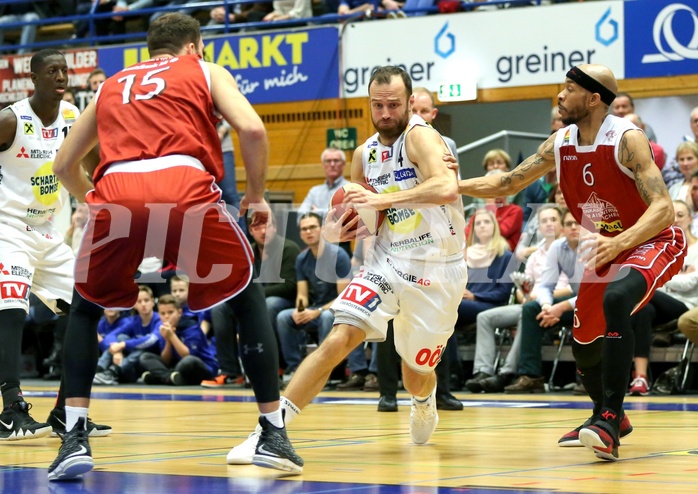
(270, 67)
(513, 47)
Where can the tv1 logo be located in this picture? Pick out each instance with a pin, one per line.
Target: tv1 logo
(363, 296)
(14, 290)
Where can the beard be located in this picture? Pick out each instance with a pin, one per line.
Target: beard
(392, 129)
(574, 116)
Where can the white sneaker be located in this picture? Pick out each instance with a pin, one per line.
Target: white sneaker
(423, 419)
(242, 453)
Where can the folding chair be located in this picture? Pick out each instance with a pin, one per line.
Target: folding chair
(503, 335)
(685, 366)
(564, 334)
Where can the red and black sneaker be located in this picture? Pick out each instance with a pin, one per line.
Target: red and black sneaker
(571, 439)
(602, 439)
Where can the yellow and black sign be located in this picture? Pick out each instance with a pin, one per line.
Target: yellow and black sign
(28, 128)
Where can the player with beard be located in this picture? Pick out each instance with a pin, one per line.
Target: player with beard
(613, 189)
(416, 272)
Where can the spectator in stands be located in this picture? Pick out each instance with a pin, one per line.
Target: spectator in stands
(549, 228)
(179, 289)
(555, 120)
(69, 96)
(275, 265)
(347, 7)
(671, 173)
(693, 121)
(228, 184)
(322, 272)
(333, 161)
(670, 302)
(417, 5)
(185, 354)
(488, 257)
(693, 205)
(624, 104)
(94, 80)
(239, 13)
(499, 159)
(547, 311)
(112, 319)
(124, 344)
(289, 9)
(20, 12)
(112, 26)
(659, 154)
(509, 217)
(688, 322)
(78, 220)
(556, 197)
(687, 158)
(425, 106)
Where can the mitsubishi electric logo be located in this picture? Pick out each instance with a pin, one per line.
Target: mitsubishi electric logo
(670, 47)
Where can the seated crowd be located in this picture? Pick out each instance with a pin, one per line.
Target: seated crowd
(113, 29)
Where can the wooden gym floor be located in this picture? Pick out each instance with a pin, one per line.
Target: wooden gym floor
(175, 440)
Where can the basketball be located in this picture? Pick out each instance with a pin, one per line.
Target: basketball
(369, 217)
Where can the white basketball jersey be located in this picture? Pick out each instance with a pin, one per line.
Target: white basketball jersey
(418, 231)
(29, 190)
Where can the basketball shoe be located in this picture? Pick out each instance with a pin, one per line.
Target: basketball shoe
(243, 453)
(602, 438)
(17, 424)
(423, 418)
(56, 419)
(571, 439)
(274, 450)
(75, 456)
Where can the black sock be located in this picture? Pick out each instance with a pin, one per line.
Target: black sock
(12, 326)
(620, 298)
(593, 383)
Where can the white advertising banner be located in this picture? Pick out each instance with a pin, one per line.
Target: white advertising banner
(507, 48)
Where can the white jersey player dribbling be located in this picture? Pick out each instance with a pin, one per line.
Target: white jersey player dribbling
(417, 273)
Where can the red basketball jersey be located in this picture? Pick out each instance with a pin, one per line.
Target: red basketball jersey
(160, 107)
(600, 192)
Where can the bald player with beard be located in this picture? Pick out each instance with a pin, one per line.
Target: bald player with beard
(615, 191)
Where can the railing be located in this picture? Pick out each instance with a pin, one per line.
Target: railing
(92, 39)
(513, 142)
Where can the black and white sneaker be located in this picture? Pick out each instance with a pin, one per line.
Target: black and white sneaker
(75, 456)
(17, 424)
(274, 450)
(56, 419)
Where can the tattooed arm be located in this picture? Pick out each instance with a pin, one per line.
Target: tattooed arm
(634, 153)
(531, 169)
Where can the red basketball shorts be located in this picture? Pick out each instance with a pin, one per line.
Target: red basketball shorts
(658, 260)
(173, 214)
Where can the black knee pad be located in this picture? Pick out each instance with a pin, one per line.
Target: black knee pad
(587, 356)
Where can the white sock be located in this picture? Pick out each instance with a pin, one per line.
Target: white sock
(290, 410)
(72, 414)
(275, 418)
